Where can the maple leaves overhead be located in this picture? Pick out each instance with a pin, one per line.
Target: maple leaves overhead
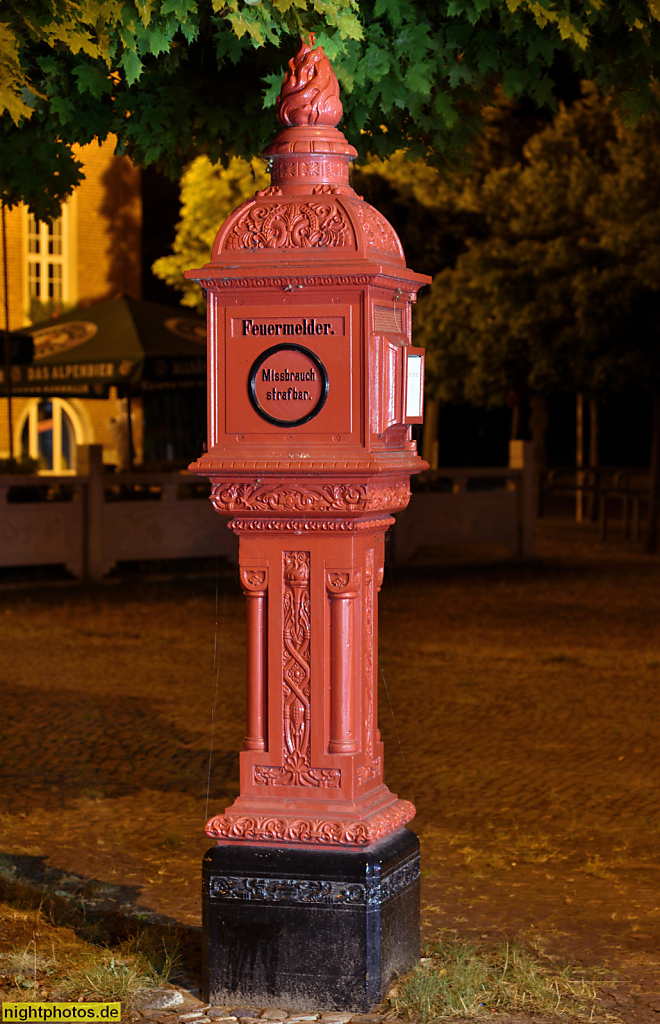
(176, 78)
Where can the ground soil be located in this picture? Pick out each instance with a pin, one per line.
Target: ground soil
(519, 708)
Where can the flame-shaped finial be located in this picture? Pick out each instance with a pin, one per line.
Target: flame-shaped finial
(310, 91)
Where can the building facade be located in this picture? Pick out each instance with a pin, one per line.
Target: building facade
(90, 253)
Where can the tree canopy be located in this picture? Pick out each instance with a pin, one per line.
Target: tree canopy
(557, 289)
(209, 193)
(173, 79)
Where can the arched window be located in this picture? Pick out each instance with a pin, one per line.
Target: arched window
(49, 431)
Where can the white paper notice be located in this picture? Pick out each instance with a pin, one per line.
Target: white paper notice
(414, 387)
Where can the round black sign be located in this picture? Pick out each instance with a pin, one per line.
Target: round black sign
(288, 385)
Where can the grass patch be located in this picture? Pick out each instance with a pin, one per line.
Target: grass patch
(173, 841)
(45, 961)
(121, 975)
(597, 867)
(460, 978)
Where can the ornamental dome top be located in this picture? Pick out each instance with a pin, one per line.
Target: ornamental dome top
(310, 204)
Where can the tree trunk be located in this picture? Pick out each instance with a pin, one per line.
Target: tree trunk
(594, 445)
(538, 422)
(579, 456)
(515, 421)
(651, 542)
(430, 442)
(10, 421)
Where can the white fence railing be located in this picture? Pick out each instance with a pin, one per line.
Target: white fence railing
(503, 513)
(94, 520)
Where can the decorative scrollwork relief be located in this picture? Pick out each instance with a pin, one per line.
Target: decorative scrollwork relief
(310, 831)
(371, 768)
(290, 890)
(291, 226)
(332, 280)
(305, 890)
(297, 769)
(297, 497)
(378, 231)
(301, 526)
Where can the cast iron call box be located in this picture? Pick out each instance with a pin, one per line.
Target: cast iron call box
(313, 387)
(304, 362)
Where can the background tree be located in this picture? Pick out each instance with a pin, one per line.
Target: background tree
(173, 79)
(561, 291)
(209, 193)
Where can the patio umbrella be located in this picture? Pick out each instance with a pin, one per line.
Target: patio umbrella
(133, 345)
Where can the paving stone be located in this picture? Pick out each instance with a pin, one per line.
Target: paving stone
(367, 1018)
(161, 999)
(245, 1011)
(336, 1018)
(274, 1013)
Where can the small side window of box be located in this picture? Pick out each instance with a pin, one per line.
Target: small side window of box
(413, 378)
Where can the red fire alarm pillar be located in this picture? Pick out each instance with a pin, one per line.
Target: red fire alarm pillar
(313, 387)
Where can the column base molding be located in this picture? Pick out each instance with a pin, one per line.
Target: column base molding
(326, 831)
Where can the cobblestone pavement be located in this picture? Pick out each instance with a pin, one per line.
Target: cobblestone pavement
(194, 1012)
(519, 708)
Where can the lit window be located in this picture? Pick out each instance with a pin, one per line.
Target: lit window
(46, 259)
(49, 434)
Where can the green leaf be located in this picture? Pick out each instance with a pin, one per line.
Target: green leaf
(391, 9)
(181, 8)
(272, 91)
(159, 39)
(513, 82)
(376, 62)
(349, 26)
(443, 105)
(63, 108)
(390, 93)
(419, 77)
(132, 66)
(93, 79)
(458, 73)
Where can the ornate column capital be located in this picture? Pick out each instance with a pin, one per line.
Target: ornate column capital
(343, 582)
(254, 580)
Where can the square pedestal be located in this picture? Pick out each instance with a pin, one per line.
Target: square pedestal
(309, 929)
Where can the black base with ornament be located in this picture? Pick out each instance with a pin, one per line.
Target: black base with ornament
(309, 929)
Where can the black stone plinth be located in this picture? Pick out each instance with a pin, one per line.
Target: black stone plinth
(309, 929)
